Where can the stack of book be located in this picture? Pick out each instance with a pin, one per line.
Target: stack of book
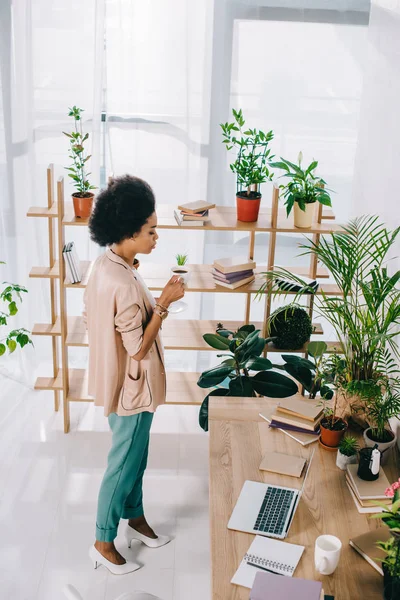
(233, 272)
(72, 263)
(193, 214)
(296, 415)
(367, 493)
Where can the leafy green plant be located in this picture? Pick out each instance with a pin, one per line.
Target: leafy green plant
(391, 517)
(181, 259)
(383, 405)
(77, 171)
(304, 186)
(349, 445)
(9, 297)
(253, 154)
(365, 313)
(290, 326)
(243, 350)
(391, 549)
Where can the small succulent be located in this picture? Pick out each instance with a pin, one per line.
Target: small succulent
(349, 445)
(181, 259)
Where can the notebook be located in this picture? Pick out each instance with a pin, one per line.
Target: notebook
(266, 554)
(185, 223)
(365, 545)
(268, 586)
(300, 408)
(196, 207)
(234, 264)
(235, 284)
(368, 490)
(302, 438)
(286, 464)
(297, 421)
(363, 509)
(279, 425)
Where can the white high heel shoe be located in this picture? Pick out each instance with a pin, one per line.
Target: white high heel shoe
(131, 534)
(98, 559)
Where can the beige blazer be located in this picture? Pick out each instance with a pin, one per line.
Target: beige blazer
(117, 310)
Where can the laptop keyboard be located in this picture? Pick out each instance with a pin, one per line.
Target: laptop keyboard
(274, 510)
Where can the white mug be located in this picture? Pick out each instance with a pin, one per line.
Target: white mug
(327, 553)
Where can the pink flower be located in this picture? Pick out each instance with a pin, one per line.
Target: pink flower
(396, 485)
(389, 492)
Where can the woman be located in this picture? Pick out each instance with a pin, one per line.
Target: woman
(126, 361)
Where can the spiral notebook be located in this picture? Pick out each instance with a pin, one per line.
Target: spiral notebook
(269, 555)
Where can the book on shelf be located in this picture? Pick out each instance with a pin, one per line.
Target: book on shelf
(201, 216)
(297, 421)
(233, 265)
(311, 285)
(232, 277)
(268, 586)
(298, 436)
(368, 490)
(278, 425)
(305, 409)
(365, 545)
(72, 263)
(235, 284)
(196, 207)
(192, 223)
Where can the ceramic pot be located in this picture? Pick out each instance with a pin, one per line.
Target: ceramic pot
(383, 447)
(248, 208)
(83, 206)
(182, 272)
(331, 437)
(342, 460)
(303, 219)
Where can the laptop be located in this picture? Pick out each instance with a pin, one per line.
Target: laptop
(266, 509)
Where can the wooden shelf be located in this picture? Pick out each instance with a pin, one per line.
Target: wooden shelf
(86, 267)
(47, 328)
(182, 386)
(43, 211)
(45, 272)
(223, 218)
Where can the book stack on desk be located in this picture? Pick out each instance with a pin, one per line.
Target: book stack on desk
(233, 272)
(367, 493)
(297, 415)
(193, 214)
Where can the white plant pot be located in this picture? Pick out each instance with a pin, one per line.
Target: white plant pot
(342, 460)
(304, 219)
(182, 272)
(383, 447)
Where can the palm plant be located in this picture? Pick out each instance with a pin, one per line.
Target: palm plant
(243, 355)
(365, 313)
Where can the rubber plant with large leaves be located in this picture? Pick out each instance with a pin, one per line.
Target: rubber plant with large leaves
(8, 308)
(248, 373)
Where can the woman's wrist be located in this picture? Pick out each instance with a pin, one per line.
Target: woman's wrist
(163, 303)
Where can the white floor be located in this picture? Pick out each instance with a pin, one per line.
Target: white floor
(48, 494)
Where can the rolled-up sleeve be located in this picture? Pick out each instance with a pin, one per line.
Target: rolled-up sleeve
(128, 319)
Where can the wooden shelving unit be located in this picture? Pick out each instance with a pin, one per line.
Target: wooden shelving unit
(66, 331)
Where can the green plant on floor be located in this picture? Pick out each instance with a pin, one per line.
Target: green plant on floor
(365, 311)
(181, 259)
(304, 186)
(242, 356)
(290, 326)
(77, 171)
(9, 296)
(253, 153)
(349, 445)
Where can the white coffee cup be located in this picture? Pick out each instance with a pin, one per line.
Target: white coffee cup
(327, 553)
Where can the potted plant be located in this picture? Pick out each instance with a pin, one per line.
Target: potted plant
(365, 313)
(379, 408)
(9, 308)
(290, 327)
(391, 564)
(242, 356)
(180, 269)
(83, 197)
(333, 427)
(250, 166)
(347, 452)
(303, 190)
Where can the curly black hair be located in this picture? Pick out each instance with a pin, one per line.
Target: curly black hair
(121, 210)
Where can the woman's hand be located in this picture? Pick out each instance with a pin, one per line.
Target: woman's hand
(174, 290)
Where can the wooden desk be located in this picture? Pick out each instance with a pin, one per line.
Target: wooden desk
(238, 440)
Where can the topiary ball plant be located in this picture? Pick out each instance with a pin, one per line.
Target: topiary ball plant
(290, 326)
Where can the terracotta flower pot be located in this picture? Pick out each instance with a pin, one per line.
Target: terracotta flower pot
(83, 206)
(332, 437)
(248, 207)
(304, 219)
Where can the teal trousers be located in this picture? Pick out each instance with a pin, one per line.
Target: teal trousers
(121, 495)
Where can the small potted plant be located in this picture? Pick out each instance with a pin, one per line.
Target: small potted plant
(290, 326)
(83, 197)
(250, 166)
(378, 410)
(347, 452)
(180, 269)
(303, 190)
(9, 308)
(391, 564)
(333, 427)
(242, 355)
